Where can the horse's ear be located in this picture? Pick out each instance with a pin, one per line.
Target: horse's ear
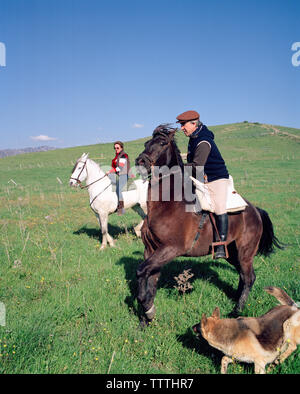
(172, 133)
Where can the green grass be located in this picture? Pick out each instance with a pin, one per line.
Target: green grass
(71, 307)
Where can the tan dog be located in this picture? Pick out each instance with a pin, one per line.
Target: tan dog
(269, 338)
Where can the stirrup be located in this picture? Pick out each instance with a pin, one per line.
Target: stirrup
(120, 208)
(218, 244)
(120, 211)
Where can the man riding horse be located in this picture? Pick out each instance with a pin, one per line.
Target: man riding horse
(203, 151)
(170, 231)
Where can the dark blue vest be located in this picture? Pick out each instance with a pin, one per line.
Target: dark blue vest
(214, 167)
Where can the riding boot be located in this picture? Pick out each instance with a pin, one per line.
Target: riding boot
(120, 208)
(222, 226)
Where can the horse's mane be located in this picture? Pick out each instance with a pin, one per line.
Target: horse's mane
(168, 133)
(91, 161)
(95, 164)
(163, 130)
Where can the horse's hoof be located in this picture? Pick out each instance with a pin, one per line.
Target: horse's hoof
(144, 322)
(103, 247)
(151, 313)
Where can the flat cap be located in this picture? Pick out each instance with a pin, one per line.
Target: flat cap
(187, 116)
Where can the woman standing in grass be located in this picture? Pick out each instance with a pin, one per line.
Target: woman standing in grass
(120, 170)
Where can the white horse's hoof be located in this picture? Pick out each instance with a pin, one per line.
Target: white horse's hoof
(103, 247)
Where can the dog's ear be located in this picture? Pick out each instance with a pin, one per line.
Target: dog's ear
(216, 313)
(203, 319)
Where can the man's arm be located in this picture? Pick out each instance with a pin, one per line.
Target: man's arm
(200, 156)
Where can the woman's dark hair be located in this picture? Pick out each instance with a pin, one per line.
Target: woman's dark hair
(119, 143)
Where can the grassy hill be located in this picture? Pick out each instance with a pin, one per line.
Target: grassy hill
(70, 307)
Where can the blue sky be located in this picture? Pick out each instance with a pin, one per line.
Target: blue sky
(81, 72)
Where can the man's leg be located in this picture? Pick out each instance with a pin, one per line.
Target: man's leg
(218, 192)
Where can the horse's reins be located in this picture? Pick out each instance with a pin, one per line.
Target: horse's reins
(97, 180)
(86, 186)
(79, 181)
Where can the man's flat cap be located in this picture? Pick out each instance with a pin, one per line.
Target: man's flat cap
(187, 116)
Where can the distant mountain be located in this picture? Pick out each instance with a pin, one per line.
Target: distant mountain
(13, 152)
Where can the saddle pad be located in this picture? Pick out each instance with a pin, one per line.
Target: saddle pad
(234, 201)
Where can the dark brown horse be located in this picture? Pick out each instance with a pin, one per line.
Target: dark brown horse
(170, 231)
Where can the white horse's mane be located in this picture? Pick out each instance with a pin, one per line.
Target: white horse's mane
(96, 165)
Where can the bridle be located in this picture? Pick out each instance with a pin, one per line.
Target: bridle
(152, 162)
(86, 186)
(79, 181)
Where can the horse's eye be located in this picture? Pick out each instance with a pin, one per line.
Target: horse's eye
(163, 143)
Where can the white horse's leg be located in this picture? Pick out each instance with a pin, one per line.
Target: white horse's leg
(102, 229)
(142, 211)
(137, 229)
(103, 220)
(111, 241)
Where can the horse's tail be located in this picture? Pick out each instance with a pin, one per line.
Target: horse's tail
(268, 240)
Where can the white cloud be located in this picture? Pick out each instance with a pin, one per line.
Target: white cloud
(42, 137)
(137, 126)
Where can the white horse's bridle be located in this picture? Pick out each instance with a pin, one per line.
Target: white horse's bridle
(86, 186)
(79, 181)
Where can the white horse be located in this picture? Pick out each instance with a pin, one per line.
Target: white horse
(103, 200)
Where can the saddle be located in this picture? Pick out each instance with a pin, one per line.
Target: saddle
(234, 203)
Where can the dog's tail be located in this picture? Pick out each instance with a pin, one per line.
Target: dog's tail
(268, 239)
(280, 295)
